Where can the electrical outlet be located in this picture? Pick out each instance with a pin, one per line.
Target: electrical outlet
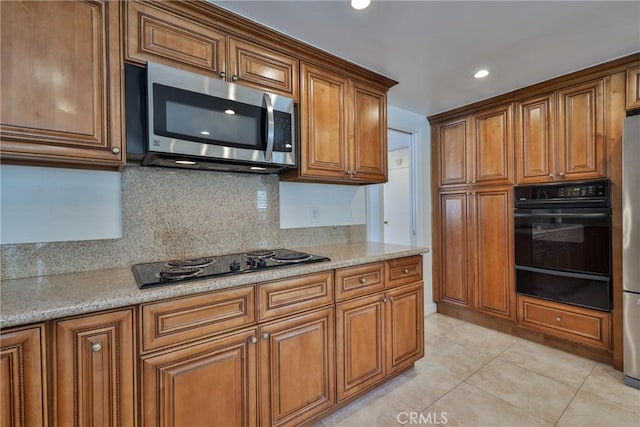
(315, 215)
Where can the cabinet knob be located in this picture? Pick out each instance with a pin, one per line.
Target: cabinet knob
(363, 280)
(473, 182)
(115, 150)
(391, 299)
(223, 75)
(96, 347)
(348, 172)
(234, 78)
(467, 182)
(253, 340)
(383, 299)
(558, 319)
(265, 336)
(551, 175)
(354, 173)
(405, 270)
(561, 174)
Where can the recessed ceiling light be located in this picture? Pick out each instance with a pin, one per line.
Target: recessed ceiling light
(257, 168)
(360, 4)
(480, 74)
(229, 111)
(185, 162)
(204, 132)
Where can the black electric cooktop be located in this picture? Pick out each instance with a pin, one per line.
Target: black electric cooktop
(163, 273)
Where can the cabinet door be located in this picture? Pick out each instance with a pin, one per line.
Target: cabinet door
(369, 149)
(209, 383)
(493, 142)
(494, 291)
(535, 140)
(581, 139)
(23, 399)
(405, 326)
(61, 82)
(454, 152)
(262, 68)
(94, 372)
(454, 251)
(324, 123)
(159, 35)
(297, 371)
(633, 88)
(360, 338)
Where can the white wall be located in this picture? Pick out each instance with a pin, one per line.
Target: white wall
(410, 122)
(41, 204)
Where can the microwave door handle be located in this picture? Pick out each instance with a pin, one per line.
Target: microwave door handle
(270, 127)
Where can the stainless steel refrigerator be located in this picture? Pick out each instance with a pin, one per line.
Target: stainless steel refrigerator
(631, 249)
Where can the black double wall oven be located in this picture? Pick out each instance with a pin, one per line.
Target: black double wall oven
(563, 243)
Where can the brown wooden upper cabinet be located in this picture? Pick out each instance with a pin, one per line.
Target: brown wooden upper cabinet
(342, 129)
(633, 88)
(476, 150)
(61, 83)
(163, 33)
(561, 135)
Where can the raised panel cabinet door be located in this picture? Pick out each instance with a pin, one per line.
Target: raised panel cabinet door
(207, 383)
(61, 82)
(454, 249)
(581, 139)
(633, 88)
(360, 344)
(405, 326)
(454, 151)
(94, 370)
(494, 290)
(493, 146)
(23, 397)
(324, 124)
(297, 368)
(369, 150)
(262, 68)
(159, 35)
(535, 140)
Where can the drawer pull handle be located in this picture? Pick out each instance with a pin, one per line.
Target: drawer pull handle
(405, 270)
(384, 300)
(265, 336)
(559, 319)
(96, 347)
(363, 280)
(253, 340)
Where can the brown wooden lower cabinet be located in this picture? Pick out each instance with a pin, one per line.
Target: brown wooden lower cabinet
(574, 323)
(209, 383)
(23, 396)
(297, 368)
(378, 335)
(94, 370)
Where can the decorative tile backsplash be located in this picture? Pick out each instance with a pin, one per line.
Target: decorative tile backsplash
(177, 213)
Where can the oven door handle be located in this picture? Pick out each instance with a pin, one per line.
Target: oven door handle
(270, 127)
(564, 273)
(562, 215)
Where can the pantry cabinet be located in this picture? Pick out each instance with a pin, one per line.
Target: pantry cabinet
(23, 388)
(169, 34)
(61, 83)
(94, 370)
(476, 257)
(342, 129)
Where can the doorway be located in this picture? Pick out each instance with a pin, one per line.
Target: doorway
(397, 194)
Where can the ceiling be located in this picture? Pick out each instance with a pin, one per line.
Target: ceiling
(433, 48)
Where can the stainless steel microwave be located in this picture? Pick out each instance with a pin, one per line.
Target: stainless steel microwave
(181, 119)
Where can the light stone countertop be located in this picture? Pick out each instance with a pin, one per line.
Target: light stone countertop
(35, 299)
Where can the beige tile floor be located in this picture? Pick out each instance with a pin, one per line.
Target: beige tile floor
(474, 376)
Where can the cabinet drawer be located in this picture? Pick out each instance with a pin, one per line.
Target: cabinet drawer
(184, 319)
(403, 271)
(360, 280)
(575, 323)
(296, 294)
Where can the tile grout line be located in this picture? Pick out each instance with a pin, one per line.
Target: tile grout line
(576, 393)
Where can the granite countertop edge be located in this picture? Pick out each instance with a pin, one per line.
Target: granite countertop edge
(36, 299)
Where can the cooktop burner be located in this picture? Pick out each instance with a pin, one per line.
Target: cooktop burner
(163, 273)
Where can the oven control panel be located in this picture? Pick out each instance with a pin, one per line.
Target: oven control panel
(591, 190)
(585, 192)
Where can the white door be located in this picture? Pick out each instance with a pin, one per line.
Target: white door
(398, 220)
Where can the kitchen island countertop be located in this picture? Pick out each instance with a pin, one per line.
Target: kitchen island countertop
(35, 299)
